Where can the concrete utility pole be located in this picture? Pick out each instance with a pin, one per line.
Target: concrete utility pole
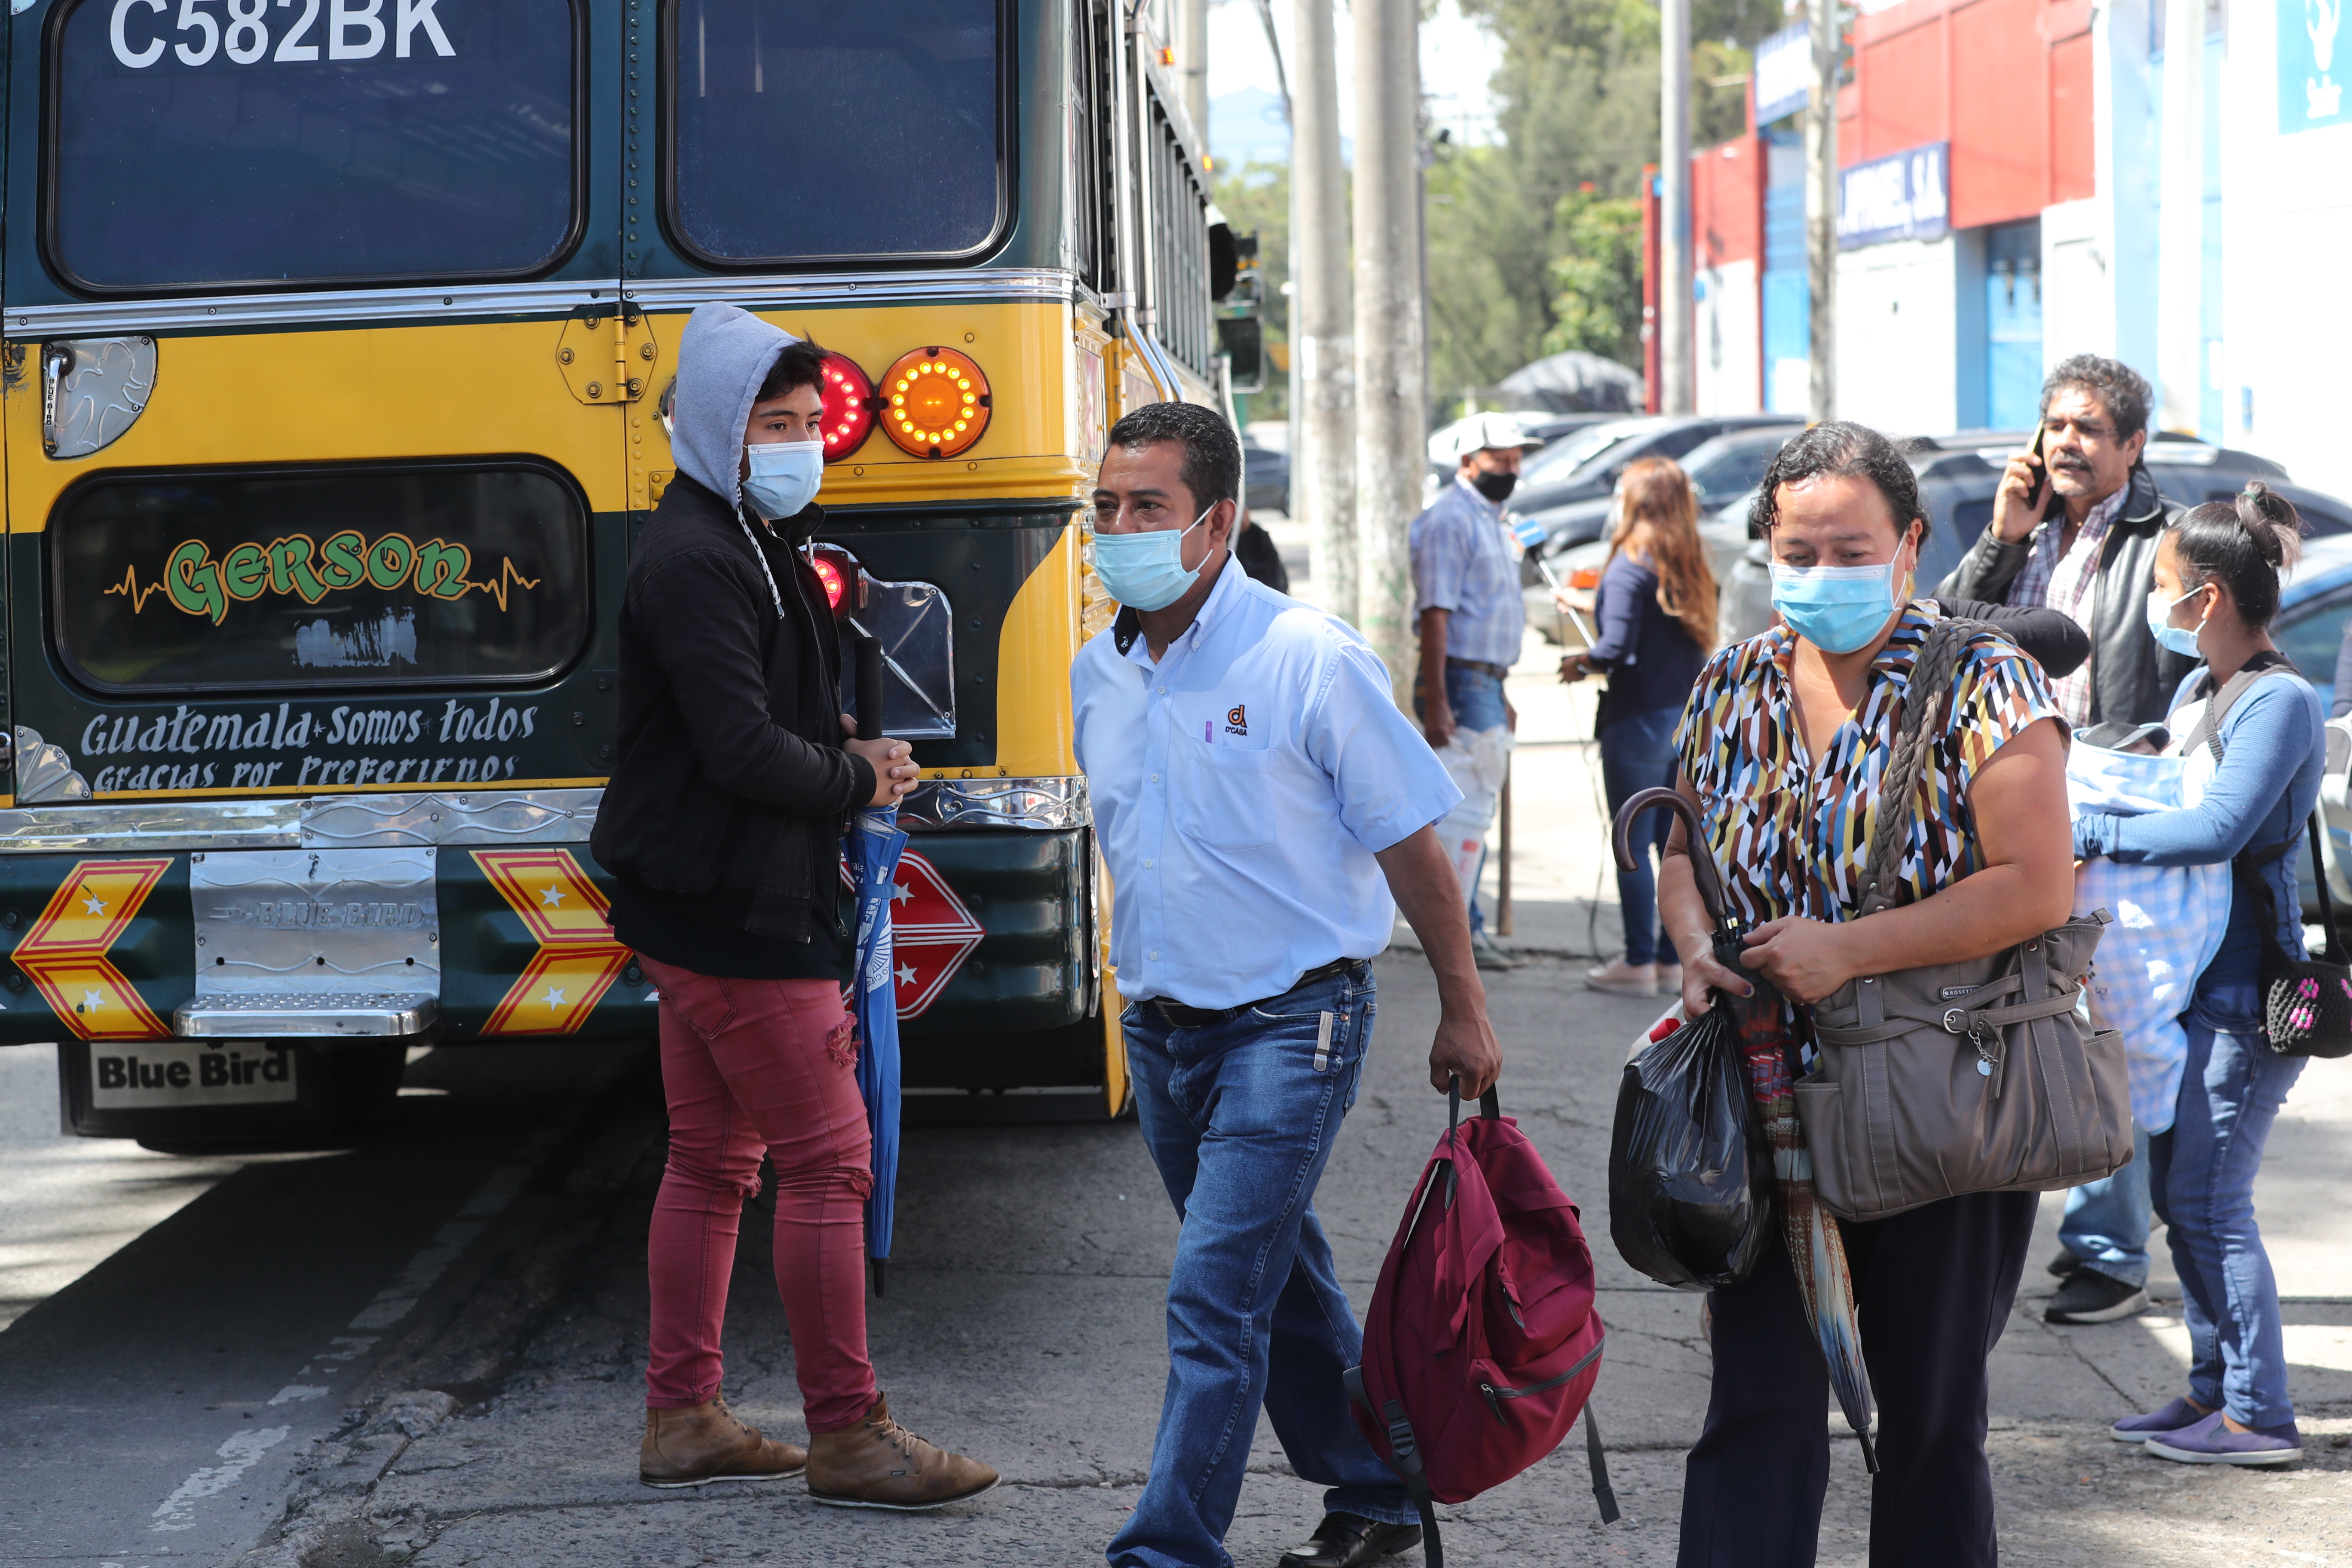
(1392, 402)
(2180, 222)
(1822, 204)
(1674, 395)
(1322, 342)
(1192, 44)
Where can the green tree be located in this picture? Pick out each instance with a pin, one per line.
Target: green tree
(1255, 198)
(1596, 277)
(1577, 98)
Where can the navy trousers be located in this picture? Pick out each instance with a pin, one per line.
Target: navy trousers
(1933, 1290)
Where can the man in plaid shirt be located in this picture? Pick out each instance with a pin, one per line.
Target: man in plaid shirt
(2089, 550)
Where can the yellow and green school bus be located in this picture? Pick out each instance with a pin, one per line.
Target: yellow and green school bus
(336, 338)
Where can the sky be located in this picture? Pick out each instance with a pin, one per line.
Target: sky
(1457, 58)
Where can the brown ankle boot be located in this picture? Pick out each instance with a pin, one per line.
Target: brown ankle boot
(879, 1464)
(705, 1443)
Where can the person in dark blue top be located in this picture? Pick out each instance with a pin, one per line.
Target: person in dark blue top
(1654, 627)
(2254, 724)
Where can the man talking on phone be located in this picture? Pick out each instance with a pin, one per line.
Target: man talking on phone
(2076, 532)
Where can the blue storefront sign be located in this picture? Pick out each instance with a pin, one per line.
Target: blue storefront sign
(2311, 64)
(1905, 196)
(1784, 73)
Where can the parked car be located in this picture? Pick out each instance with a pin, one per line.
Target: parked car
(1266, 477)
(1721, 470)
(1585, 465)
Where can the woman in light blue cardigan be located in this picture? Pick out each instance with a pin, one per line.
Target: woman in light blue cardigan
(2217, 588)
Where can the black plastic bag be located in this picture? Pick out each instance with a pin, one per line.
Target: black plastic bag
(1690, 1175)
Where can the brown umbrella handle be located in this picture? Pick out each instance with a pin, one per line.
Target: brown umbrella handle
(1703, 870)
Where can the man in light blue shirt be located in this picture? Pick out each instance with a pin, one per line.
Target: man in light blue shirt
(1263, 810)
(1465, 589)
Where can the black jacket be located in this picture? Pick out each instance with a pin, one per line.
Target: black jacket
(2132, 678)
(732, 781)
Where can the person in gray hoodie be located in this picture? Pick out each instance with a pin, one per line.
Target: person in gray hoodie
(722, 825)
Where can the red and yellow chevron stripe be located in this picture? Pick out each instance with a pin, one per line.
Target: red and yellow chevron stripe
(577, 960)
(64, 951)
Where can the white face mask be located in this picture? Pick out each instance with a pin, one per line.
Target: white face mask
(784, 477)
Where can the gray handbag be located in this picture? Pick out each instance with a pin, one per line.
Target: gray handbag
(1977, 1076)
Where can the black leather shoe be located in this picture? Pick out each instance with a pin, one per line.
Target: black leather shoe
(1346, 1541)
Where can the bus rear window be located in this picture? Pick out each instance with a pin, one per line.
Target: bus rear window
(245, 144)
(340, 577)
(808, 133)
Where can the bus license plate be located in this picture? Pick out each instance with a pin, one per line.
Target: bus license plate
(144, 1075)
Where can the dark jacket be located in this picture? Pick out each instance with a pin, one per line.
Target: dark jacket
(732, 781)
(1652, 662)
(2132, 678)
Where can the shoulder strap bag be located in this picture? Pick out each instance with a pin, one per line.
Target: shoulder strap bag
(2306, 1002)
(1978, 1077)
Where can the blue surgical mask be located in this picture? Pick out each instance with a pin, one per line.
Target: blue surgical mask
(784, 477)
(1836, 608)
(1146, 571)
(2160, 625)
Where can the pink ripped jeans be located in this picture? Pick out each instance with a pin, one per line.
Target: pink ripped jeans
(755, 1066)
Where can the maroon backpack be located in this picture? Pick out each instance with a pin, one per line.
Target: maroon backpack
(1481, 1345)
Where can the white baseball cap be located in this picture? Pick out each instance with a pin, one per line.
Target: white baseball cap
(1480, 432)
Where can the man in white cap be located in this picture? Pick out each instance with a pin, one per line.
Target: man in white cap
(1465, 584)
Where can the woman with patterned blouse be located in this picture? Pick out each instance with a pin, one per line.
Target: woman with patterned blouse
(1781, 752)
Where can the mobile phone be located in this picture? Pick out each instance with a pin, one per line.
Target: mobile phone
(2039, 496)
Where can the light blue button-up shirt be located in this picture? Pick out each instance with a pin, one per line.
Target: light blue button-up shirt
(1463, 562)
(1241, 787)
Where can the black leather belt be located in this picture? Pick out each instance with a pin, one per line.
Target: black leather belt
(1499, 672)
(1184, 1017)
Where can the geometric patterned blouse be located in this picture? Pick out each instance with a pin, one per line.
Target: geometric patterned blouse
(1790, 838)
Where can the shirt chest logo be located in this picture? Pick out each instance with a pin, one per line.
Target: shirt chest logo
(1237, 720)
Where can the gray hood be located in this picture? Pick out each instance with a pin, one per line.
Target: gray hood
(722, 357)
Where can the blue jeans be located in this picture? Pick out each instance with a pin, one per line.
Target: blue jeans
(2106, 1225)
(1637, 753)
(1240, 1118)
(2203, 1183)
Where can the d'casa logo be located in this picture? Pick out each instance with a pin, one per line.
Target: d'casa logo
(197, 585)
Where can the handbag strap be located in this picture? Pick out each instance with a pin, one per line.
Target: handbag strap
(1928, 691)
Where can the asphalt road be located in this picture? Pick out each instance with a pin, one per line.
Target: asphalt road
(466, 1297)
(158, 1404)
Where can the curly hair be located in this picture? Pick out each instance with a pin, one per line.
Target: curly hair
(1840, 449)
(2121, 390)
(1212, 453)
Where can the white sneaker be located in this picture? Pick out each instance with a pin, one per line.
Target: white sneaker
(1622, 979)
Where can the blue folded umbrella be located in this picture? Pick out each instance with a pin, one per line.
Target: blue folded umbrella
(873, 847)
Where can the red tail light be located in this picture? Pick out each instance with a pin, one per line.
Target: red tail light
(830, 575)
(849, 404)
(838, 569)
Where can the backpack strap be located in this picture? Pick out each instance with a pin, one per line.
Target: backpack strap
(1405, 1458)
(1602, 1493)
(2245, 865)
(2209, 728)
